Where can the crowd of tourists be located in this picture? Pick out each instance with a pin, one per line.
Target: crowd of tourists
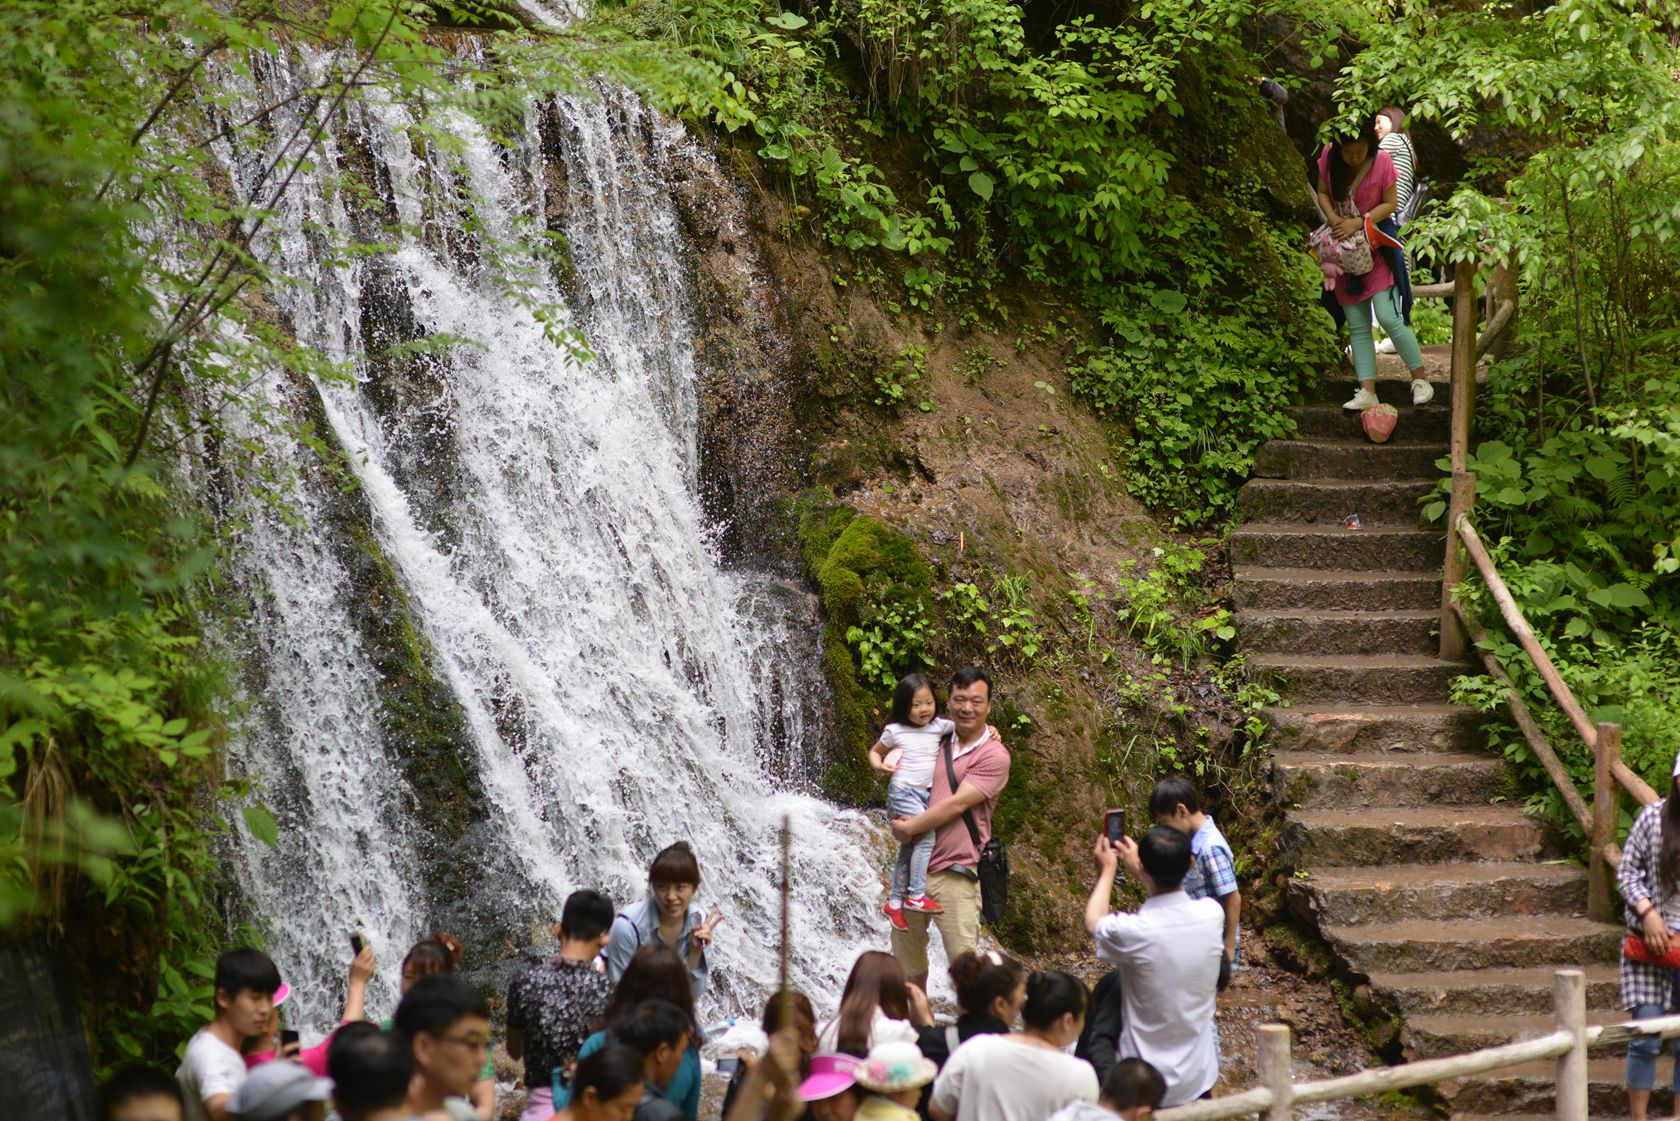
(606, 1029)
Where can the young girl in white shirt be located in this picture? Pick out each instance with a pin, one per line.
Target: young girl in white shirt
(908, 751)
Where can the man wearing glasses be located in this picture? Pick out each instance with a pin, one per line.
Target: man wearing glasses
(447, 1023)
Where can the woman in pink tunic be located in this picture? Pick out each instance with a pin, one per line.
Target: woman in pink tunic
(1356, 182)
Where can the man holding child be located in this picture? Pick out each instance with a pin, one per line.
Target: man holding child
(981, 766)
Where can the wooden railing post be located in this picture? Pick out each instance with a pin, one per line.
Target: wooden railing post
(1275, 1074)
(1463, 386)
(1569, 1003)
(1462, 400)
(1455, 643)
(1606, 754)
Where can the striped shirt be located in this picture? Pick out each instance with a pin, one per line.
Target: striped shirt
(1643, 983)
(1399, 149)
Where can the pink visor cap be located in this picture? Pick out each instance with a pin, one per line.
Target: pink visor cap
(830, 1074)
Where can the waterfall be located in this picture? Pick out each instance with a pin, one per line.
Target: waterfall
(604, 682)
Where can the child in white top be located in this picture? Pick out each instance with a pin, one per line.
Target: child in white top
(908, 750)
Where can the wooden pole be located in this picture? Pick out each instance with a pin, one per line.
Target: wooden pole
(1463, 387)
(1569, 1003)
(1455, 643)
(1275, 1072)
(1461, 395)
(786, 990)
(1608, 751)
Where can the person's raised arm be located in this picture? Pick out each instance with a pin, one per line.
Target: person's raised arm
(1099, 904)
(216, 1108)
(361, 972)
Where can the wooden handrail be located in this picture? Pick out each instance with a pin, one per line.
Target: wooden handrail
(1632, 783)
(1542, 747)
(1513, 616)
(1568, 1043)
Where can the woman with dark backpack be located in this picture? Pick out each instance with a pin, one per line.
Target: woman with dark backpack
(1649, 877)
(1393, 138)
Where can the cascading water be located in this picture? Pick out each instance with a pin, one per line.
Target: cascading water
(614, 686)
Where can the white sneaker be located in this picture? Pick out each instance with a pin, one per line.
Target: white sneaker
(1422, 392)
(1385, 346)
(1361, 401)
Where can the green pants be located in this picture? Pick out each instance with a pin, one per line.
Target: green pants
(1387, 306)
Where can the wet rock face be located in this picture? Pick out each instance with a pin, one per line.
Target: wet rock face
(746, 361)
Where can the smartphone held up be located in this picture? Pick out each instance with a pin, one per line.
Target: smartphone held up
(1114, 825)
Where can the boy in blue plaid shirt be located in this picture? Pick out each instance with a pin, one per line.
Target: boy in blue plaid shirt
(1175, 802)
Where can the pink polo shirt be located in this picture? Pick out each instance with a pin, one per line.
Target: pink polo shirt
(986, 766)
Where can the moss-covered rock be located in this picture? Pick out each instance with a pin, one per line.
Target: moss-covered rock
(858, 564)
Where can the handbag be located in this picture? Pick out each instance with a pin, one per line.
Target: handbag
(1635, 948)
(993, 872)
(1352, 254)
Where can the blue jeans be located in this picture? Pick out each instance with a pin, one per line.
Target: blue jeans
(1643, 1052)
(1387, 306)
(910, 869)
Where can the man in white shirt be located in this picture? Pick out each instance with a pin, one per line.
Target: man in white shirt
(1168, 955)
(212, 1068)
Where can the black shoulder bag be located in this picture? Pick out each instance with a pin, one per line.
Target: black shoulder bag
(994, 860)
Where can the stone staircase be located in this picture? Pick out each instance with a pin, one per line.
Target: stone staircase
(1421, 879)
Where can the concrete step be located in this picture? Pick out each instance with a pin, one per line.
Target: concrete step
(1278, 589)
(1386, 835)
(1351, 895)
(1327, 418)
(1349, 782)
(1366, 679)
(1432, 1036)
(1420, 944)
(1310, 631)
(1490, 991)
(1382, 502)
(1394, 381)
(1372, 549)
(1335, 458)
(1367, 729)
(1531, 1088)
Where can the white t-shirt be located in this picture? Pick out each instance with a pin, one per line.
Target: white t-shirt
(1168, 955)
(884, 1029)
(1000, 1078)
(209, 1069)
(1083, 1111)
(918, 747)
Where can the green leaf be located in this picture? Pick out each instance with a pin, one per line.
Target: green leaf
(1619, 595)
(981, 184)
(262, 825)
(787, 21)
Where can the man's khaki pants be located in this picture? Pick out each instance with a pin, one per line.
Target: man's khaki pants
(958, 923)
